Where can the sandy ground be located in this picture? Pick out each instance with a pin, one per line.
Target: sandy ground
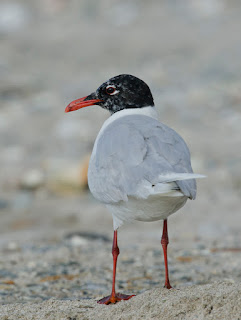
(215, 301)
(55, 239)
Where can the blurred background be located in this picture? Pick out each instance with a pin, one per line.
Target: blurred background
(55, 51)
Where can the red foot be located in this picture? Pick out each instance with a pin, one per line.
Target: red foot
(113, 299)
(167, 285)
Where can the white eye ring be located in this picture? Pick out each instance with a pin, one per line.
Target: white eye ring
(112, 93)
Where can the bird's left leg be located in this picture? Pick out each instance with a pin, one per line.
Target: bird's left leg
(164, 242)
(115, 297)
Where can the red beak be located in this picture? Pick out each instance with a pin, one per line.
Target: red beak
(81, 103)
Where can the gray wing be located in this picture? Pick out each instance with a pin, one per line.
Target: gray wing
(134, 151)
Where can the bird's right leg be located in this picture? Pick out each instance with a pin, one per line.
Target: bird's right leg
(164, 242)
(115, 297)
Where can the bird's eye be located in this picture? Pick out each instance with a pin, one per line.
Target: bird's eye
(111, 90)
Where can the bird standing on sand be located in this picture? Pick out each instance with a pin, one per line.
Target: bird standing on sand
(139, 167)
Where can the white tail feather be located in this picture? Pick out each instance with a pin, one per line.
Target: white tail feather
(170, 177)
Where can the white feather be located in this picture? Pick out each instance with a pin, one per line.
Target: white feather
(170, 177)
(155, 207)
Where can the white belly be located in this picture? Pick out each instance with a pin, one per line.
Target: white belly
(154, 208)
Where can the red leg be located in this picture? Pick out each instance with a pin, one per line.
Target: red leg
(164, 242)
(115, 297)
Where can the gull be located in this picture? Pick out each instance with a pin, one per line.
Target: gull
(139, 167)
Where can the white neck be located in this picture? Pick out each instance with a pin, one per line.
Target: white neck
(145, 111)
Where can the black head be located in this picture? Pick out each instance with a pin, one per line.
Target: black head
(124, 92)
(121, 92)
